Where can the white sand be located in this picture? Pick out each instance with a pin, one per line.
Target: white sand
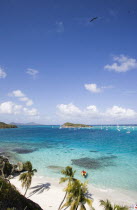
(49, 193)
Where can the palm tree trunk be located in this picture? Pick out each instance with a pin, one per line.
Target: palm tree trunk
(2, 170)
(26, 191)
(62, 200)
(3, 173)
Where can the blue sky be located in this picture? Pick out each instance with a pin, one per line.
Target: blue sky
(56, 66)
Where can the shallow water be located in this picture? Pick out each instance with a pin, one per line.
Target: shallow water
(108, 154)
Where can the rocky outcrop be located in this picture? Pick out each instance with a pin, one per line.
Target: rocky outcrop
(7, 169)
(19, 167)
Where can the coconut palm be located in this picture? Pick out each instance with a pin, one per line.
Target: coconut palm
(108, 206)
(77, 196)
(69, 176)
(26, 178)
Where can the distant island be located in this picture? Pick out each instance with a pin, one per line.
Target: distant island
(4, 125)
(72, 125)
(29, 123)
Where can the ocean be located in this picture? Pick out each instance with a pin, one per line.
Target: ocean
(107, 153)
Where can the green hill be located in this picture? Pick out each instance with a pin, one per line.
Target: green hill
(72, 125)
(4, 125)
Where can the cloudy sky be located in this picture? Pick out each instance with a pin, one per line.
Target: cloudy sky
(57, 66)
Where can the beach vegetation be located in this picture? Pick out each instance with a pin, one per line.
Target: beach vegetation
(26, 177)
(108, 206)
(7, 169)
(77, 196)
(69, 177)
(11, 199)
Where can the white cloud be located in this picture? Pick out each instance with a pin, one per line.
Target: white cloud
(28, 101)
(32, 72)
(60, 27)
(31, 112)
(68, 109)
(92, 108)
(120, 112)
(122, 64)
(22, 97)
(10, 107)
(91, 114)
(93, 88)
(17, 93)
(2, 73)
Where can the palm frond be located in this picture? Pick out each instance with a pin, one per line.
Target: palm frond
(82, 207)
(106, 204)
(73, 205)
(63, 179)
(89, 201)
(117, 207)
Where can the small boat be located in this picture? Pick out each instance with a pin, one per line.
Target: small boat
(135, 206)
(84, 173)
(128, 132)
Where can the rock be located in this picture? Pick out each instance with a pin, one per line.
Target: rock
(5, 166)
(19, 167)
(10, 177)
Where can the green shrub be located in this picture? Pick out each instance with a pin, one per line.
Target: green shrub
(7, 169)
(12, 199)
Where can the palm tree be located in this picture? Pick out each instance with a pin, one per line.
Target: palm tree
(108, 206)
(26, 178)
(77, 196)
(69, 176)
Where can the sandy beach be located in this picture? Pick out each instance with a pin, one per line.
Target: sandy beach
(48, 193)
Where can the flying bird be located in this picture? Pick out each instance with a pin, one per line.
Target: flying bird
(93, 19)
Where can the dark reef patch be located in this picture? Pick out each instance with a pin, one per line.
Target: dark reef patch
(95, 163)
(56, 168)
(23, 151)
(94, 151)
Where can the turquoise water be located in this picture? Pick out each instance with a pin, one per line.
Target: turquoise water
(108, 154)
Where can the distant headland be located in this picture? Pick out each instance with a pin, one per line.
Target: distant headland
(72, 125)
(4, 125)
(29, 123)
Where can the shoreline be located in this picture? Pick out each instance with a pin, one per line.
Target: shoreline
(48, 193)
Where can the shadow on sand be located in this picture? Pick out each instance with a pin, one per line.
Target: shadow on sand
(40, 188)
